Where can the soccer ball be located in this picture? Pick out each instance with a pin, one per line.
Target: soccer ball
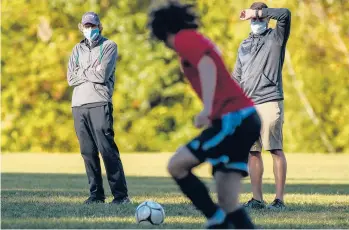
(150, 212)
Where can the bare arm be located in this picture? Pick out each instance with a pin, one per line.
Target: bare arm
(208, 78)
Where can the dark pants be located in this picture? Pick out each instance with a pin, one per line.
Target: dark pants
(94, 129)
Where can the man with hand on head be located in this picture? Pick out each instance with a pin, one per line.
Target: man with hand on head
(91, 71)
(258, 70)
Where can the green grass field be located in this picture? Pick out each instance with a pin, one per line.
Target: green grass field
(47, 191)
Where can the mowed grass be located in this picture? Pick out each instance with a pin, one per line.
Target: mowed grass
(47, 191)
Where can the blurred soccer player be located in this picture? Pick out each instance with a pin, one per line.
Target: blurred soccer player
(231, 122)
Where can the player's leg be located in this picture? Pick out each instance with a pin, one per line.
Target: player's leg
(102, 124)
(273, 142)
(228, 175)
(180, 167)
(228, 189)
(89, 153)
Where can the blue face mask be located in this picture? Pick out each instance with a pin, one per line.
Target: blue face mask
(258, 27)
(91, 34)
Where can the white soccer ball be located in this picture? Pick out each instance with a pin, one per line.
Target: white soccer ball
(150, 212)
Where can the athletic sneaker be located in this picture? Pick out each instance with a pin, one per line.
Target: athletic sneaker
(125, 200)
(93, 200)
(277, 205)
(254, 204)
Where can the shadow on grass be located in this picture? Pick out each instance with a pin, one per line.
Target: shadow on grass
(76, 185)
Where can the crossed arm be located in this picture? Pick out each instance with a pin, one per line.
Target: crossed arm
(78, 75)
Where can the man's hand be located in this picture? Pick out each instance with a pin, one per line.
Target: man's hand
(247, 14)
(202, 119)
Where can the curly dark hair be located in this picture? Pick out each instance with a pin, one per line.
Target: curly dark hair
(171, 19)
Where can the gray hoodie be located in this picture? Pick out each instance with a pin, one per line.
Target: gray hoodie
(91, 71)
(258, 68)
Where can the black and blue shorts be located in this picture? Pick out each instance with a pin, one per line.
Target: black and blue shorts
(227, 142)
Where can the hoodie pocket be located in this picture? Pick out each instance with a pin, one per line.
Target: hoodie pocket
(267, 81)
(102, 90)
(108, 120)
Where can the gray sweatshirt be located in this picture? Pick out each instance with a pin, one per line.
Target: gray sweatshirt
(91, 71)
(258, 68)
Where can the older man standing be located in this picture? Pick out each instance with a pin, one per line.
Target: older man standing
(258, 70)
(91, 71)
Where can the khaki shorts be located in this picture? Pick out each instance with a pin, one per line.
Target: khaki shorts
(272, 117)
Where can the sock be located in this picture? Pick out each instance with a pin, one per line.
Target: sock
(240, 219)
(217, 221)
(197, 192)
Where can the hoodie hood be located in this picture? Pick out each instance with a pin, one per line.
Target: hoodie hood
(256, 39)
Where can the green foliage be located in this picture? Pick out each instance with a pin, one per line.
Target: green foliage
(153, 105)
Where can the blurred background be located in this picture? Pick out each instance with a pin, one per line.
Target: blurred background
(153, 105)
